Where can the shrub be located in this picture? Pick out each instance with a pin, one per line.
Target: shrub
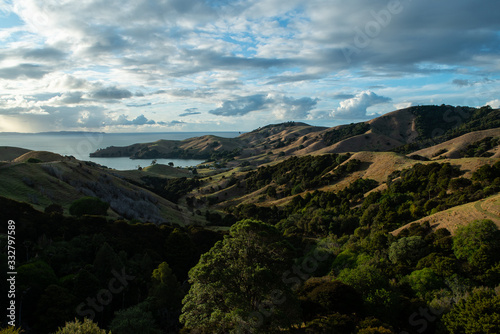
(88, 206)
(85, 327)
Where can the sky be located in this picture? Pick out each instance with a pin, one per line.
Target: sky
(194, 65)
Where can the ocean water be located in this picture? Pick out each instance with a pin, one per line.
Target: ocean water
(81, 144)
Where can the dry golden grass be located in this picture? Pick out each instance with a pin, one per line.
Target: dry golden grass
(40, 155)
(455, 145)
(451, 219)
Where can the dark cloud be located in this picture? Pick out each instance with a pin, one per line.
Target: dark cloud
(283, 106)
(468, 83)
(50, 54)
(287, 78)
(139, 105)
(462, 82)
(189, 112)
(110, 93)
(241, 106)
(32, 71)
(342, 96)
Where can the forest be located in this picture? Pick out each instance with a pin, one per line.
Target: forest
(326, 262)
(276, 242)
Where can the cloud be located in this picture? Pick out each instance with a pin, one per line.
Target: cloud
(139, 105)
(294, 109)
(241, 106)
(283, 107)
(31, 71)
(114, 57)
(462, 82)
(110, 93)
(355, 108)
(47, 53)
(494, 103)
(189, 112)
(139, 120)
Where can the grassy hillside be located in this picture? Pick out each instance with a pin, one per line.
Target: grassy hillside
(62, 182)
(8, 153)
(451, 219)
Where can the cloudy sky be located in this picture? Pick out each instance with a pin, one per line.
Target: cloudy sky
(194, 65)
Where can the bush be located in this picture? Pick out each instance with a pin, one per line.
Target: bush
(85, 327)
(88, 206)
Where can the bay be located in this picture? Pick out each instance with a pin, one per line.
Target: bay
(81, 144)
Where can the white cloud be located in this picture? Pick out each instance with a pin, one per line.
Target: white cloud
(494, 103)
(356, 107)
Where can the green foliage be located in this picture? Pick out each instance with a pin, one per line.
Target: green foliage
(84, 327)
(307, 172)
(165, 290)
(424, 281)
(135, 319)
(333, 323)
(105, 261)
(478, 243)
(320, 297)
(88, 206)
(11, 330)
(346, 131)
(238, 284)
(55, 306)
(437, 124)
(171, 189)
(477, 313)
(480, 148)
(407, 250)
(365, 278)
(35, 275)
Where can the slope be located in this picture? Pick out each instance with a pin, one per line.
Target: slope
(451, 219)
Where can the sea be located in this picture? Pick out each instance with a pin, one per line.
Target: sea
(81, 144)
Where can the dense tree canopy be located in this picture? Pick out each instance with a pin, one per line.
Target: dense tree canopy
(237, 286)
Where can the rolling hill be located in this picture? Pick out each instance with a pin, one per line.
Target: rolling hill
(465, 138)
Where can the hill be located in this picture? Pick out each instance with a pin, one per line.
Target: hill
(40, 156)
(8, 153)
(451, 219)
(404, 131)
(62, 182)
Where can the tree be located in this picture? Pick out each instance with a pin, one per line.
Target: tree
(407, 250)
(88, 206)
(55, 306)
(135, 319)
(105, 261)
(424, 281)
(165, 289)
(85, 327)
(478, 243)
(237, 286)
(477, 313)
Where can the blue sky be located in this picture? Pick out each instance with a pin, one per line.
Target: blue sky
(192, 65)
